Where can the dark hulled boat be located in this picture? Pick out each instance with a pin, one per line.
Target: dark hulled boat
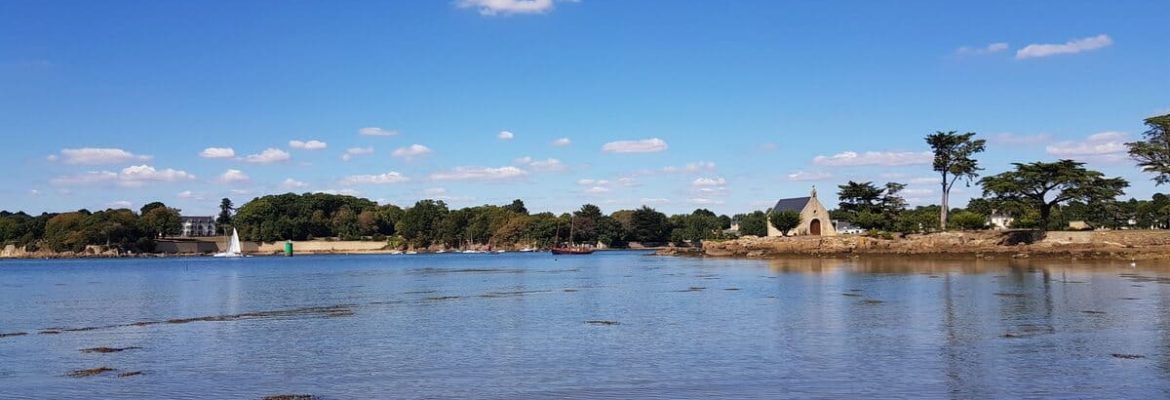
(569, 249)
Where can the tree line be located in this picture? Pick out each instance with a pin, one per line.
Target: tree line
(432, 223)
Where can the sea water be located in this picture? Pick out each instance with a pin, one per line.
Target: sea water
(607, 325)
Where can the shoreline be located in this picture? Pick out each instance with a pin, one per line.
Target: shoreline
(985, 245)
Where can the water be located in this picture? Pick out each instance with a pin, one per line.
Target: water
(515, 326)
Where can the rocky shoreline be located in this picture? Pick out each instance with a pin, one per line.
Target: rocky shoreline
(1095, 245)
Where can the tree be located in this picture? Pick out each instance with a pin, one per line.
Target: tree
(517, 206)
(952, 160)
(869, 206)
(1153, 153)
(150, 206)
(1044, 185)
(162, 222)
(857, 197)
(754, 223)
(785, 221)
(649, 226)
(225, 215)
(970, 221)
(420, 224)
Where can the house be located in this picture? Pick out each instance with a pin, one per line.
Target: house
(814, 218)
(197, 226)
(999, 220)
(847, 228)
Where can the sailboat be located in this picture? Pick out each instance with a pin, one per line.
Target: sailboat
(570, 248)
(233, 249)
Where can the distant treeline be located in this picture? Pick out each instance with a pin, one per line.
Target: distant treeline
(320, 216)
(430, 222)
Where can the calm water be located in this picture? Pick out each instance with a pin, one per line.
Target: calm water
(515, 326)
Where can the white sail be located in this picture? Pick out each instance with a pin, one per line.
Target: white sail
(233, 249)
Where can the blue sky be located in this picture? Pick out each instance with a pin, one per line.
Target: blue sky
(676, 105)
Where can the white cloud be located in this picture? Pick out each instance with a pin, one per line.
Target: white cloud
(132, 176)
(591, 182)
(926, 180)
(381, 179)
(352, 152)
(234, 176)
(268, 156)
(695, 167)
(546, 165)
(1104, 146)
(801, 176)
(496, 7)
(562, 142)
(652, 145)
(627, 181)
(218, 152)
(717, 181)
(376, 131)
(702, 201)
(120, 204)
(190, 195)
(1008, 138)
(34, 192)
(883, 158)
(479, 174)
(96, 156)
(648, 201)
(597, 190)
(505, 135)
(307, 145)
(978, 51)
(1069, 47)
(290, 183)
(412, 151)
(916, 192)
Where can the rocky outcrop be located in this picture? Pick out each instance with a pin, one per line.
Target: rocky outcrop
(1127, 245)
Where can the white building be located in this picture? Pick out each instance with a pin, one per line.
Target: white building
(198, 226)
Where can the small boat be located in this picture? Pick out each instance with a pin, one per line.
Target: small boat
(570, 248)
(233, 249)
(527, 250)
(412, 252)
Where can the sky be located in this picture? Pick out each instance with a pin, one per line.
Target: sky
(676, 105)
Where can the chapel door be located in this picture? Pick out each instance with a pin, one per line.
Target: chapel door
(814, 228)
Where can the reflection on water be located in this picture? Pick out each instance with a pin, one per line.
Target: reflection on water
(611, 325)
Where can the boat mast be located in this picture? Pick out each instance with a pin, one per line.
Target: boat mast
(571, 231)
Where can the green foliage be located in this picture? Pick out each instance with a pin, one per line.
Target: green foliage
(969, 221)
(952, 160)
(702, 224)
(1043, 185)
(785, 221)
(421, 224)
(649, 226)
(300, 217)
(225, 215)
(162, 222)
(919, 220)
(754, 223)
(870, 207)
(1153, 153)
